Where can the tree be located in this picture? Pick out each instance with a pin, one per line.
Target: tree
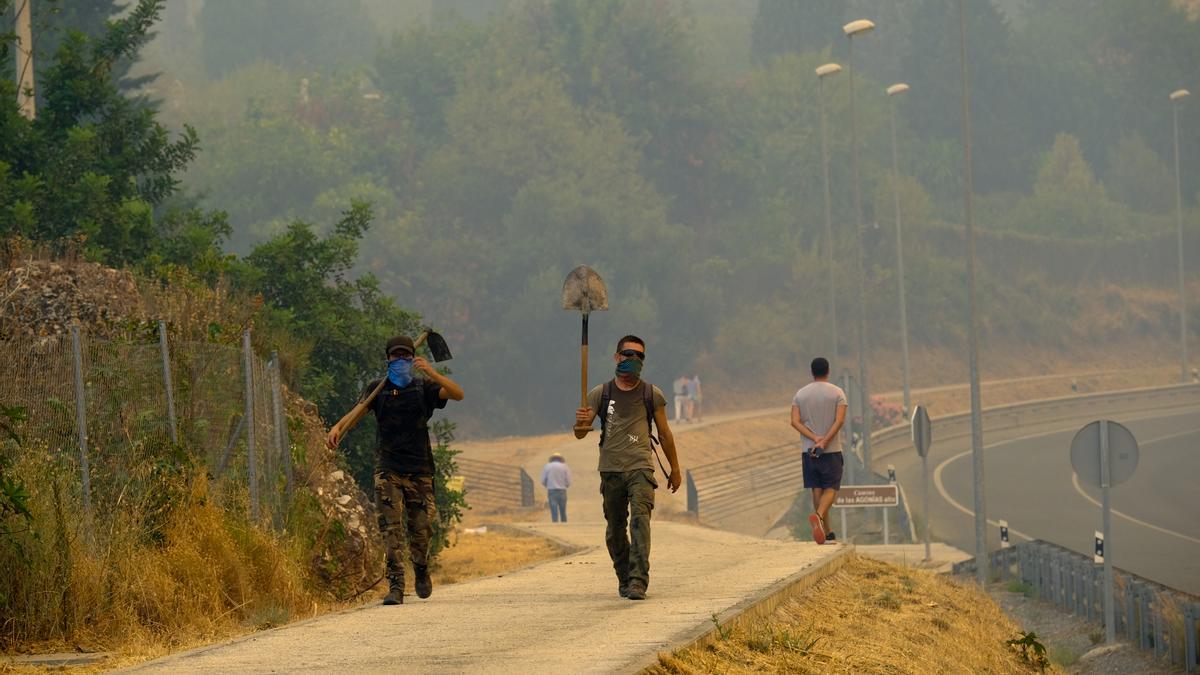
(313, 34)
(305, 281)
(1000, 114)
(795, 26)
(93, 164)
(1138, 177)
(54, 20)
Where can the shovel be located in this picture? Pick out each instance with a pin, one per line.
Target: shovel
(584, 290)
(437, 347)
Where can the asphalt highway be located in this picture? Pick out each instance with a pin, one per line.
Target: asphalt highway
(1030, 483)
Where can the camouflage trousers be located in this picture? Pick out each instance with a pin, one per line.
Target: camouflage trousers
(628, 500)
(406, 511)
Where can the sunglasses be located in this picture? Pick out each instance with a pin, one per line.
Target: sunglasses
(633, 354)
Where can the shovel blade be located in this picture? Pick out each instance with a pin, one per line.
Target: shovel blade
(438, 347)
(584, 290)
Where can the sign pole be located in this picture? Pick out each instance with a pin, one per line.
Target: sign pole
(925, 473)
(1110, 628)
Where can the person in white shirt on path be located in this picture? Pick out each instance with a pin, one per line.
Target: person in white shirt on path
(556, 478)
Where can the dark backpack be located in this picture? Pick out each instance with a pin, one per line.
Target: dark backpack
(647, 402)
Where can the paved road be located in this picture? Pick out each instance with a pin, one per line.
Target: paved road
(1030, 483)
(560, 616)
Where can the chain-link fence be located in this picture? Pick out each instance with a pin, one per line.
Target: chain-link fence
(120, 411)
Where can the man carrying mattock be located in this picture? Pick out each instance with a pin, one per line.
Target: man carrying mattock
(404, 467)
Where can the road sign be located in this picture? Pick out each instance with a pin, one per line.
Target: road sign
(851, 496)
(1104, 454)
(1122, 454)
(922, 433)
(1004, 534)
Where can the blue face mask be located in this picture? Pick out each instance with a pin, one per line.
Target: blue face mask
(400, 372)
(630, 367)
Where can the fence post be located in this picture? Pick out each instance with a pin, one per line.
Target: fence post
(1159, 643)
(166, 364)
(1130, 610)
(526, 488)
(251, 460)
(1190, 614)
(693, 497)
(281, 433)
(81, 421)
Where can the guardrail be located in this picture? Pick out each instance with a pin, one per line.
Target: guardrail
(897, 438)
(1152, 616)
(491, 485)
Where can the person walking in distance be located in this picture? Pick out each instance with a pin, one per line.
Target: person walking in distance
(626, 406)
(696, 395)
(556, 478)
(680, 391)
(818, 413)
(404, 461)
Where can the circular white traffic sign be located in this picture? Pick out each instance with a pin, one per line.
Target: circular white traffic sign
(1122, 453)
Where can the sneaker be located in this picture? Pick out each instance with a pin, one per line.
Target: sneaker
(818, 531)
(637, 591)
(830, 537)
(395, 596)
(623, 589)
(423, 583)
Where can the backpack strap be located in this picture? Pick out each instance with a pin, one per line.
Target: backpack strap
(605, 399)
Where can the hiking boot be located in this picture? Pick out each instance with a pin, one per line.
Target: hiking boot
(423, 582)
(623, 589)
(395, 595)
(637, 591)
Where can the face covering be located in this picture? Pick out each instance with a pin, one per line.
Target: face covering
(631, 367)
(400, 372)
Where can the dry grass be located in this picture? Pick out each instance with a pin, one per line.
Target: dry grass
(869, 617)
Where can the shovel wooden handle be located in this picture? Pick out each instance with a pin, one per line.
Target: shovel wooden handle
(360, 409)
(583, 365)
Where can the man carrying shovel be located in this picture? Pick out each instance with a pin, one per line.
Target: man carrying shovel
(627, 480)
(403, 404)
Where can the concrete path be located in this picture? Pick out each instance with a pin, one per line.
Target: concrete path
(563, 615)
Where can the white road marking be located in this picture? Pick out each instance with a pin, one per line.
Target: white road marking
(941, 488)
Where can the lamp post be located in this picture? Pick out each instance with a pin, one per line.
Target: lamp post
(892, 92)
(823, 72)
(1176, 97)
(852, 29)
(982, 566)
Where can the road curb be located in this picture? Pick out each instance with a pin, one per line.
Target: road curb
(753, 609)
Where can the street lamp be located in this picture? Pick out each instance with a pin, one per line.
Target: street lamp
(982, 566)
(851, 30)
(823, 72)
(892, 92)
(1176, 97)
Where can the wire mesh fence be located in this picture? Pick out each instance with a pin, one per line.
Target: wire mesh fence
(122, 411)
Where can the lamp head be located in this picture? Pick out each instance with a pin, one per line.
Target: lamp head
(898, 88)
(1180, 94)
(855, 27)
(828, 69)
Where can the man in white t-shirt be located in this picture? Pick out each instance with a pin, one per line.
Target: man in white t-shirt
(818, 413)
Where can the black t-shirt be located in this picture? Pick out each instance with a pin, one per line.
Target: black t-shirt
(402, 416)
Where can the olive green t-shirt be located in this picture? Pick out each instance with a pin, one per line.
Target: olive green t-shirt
(627, 443)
